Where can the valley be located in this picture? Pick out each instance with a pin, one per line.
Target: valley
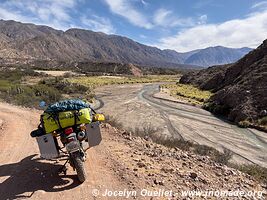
(141, 99)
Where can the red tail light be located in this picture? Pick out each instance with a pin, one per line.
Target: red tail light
(68, 131)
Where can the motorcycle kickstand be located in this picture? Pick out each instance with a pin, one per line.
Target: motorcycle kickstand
(63, 169)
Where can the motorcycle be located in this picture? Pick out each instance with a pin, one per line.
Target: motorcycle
(75, 140)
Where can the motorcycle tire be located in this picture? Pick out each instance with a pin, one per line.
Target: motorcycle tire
(78, 164)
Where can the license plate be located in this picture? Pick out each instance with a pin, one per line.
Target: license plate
(73, 146)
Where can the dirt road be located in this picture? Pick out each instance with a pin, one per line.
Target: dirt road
(23, 175)
(136, 108)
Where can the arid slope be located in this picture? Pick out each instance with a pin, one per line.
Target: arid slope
(241, 88)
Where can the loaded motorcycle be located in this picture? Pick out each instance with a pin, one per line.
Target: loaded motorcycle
(73, 124)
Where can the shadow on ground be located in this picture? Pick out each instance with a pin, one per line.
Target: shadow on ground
(30, 175)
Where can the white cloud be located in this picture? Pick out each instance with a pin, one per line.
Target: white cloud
(202, 19)
(250, 32)
(125, 9)
(165, 18)
(55, 13)
(260, 5)
(161, 16)
(97, 23)
(144, 3)
(57, 9)
(7, 15)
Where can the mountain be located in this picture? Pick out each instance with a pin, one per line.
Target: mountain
(240, 88)
(216, 56)
(29, 41)
(20, 41)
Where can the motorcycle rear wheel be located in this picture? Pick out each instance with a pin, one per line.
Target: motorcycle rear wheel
(78, 164)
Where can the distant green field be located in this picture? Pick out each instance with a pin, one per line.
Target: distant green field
(28, 88)
(188, 92)
(95, 81)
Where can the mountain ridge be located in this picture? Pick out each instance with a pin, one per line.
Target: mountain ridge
(37, 42)
(217, 55)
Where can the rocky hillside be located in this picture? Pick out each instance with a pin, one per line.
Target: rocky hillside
(29, 41)
(20, 42)
(146, 164)
(241, 88)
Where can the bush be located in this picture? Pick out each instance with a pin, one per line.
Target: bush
(222, 157)
(113, 122)
(145, 130)
(217, 108)
(65, 86)
(263, 121)
(258, 172)
(46, 93)
(29, 95)
(67, 75)
(50, 89)
(244, 124)
(203, 150)
(171, 142)
(4, 85)
(23, 96)
(15, 75)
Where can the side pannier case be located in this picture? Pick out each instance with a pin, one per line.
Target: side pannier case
(93, 133)
(47, 146)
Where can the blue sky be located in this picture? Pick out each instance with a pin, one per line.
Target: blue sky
(182, 25)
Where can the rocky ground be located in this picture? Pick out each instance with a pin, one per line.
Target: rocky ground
(152, 166)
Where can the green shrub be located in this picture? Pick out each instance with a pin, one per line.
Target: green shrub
(65, 86)
(4, 85)
(46, 93)
(30, 95)
(15, 75)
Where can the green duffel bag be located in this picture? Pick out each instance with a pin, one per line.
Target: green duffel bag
(52, 122)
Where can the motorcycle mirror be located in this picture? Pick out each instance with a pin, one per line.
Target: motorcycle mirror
(42, 104)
